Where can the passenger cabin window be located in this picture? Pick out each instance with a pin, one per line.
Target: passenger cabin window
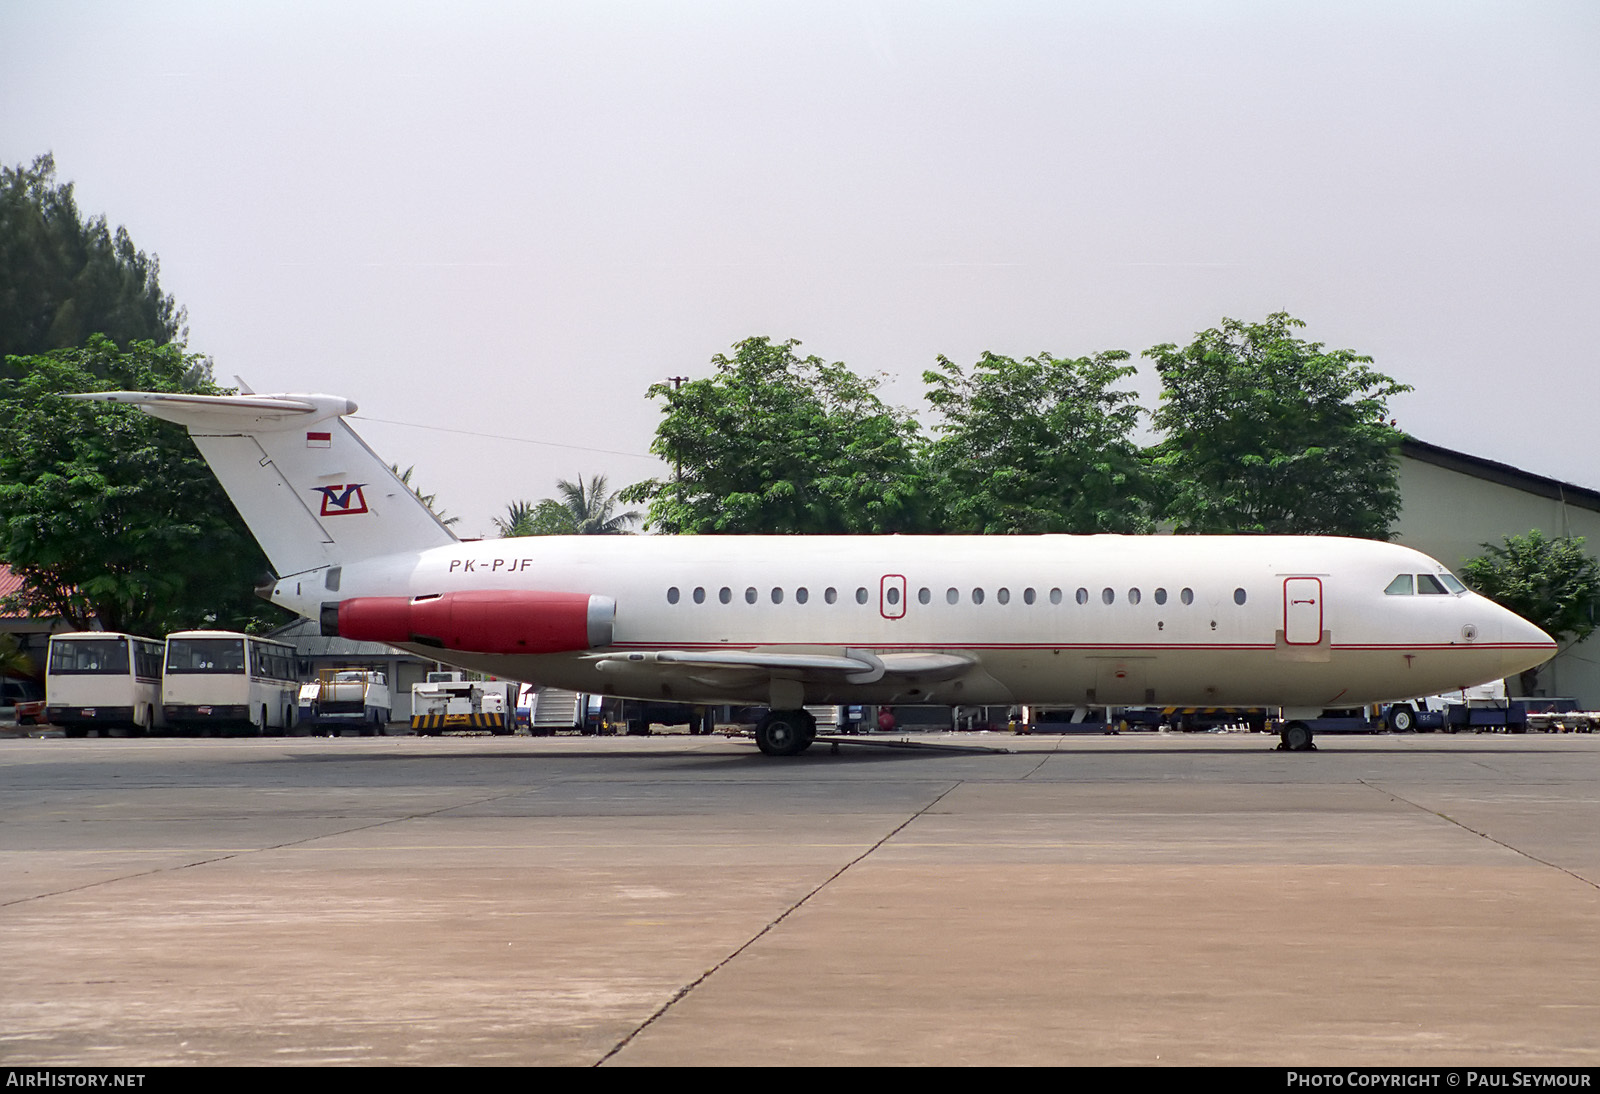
(672, 595)
(1238, 596)
(699, 595)
(801, 595)
(861, 595)
(725, 595)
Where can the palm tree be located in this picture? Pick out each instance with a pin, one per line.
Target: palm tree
(520, 520)
(583, 509)
(593, 508)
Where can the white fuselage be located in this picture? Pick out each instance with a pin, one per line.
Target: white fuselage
(1299, 622)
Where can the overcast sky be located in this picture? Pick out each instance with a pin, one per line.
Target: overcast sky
(508, 219)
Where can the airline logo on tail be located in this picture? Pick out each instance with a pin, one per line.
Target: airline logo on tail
(342, 500)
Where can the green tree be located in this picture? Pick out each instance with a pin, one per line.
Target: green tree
(63, 278)
(774, 442)
(1553, 583)
(111, 515)
(584, 508)
(1263, 432)
(1044, 444)
(13, 661)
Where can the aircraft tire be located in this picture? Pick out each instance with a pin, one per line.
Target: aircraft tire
(784, 733)
(1402, 719)
(1297, 737)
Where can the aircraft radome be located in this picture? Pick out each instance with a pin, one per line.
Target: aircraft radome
(1301, 623)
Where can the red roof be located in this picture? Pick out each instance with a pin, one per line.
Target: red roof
(9, 582)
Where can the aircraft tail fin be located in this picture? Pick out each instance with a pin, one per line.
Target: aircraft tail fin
(311, 491)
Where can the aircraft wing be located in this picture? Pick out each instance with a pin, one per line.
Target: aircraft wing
(727, 667)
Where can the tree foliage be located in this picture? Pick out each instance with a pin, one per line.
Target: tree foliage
(518, 521)
(584, 508)
(63, 278)
(1551, 582)
(774, 442)
(1264, 432)
(1044, 444)
(109, 514)
(14, 660)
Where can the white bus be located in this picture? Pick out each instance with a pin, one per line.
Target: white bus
(228, 680)
(103, 680)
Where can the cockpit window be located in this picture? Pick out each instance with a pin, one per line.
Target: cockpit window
(1440, 584)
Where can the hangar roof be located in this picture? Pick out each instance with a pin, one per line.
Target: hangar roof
(1501, 473)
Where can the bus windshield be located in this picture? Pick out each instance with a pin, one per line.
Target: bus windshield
(89, 657)
(206, 655)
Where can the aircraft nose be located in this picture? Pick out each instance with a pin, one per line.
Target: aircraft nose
(1525, 646)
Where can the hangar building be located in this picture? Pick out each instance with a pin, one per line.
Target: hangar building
(1453, 503)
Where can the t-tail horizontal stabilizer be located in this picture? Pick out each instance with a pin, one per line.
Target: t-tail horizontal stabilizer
(311, 491)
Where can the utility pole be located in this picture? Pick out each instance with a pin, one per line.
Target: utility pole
(677, 464)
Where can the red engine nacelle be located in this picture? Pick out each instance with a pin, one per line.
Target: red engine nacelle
(480, 621)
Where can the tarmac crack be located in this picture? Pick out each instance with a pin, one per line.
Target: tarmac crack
(1044, 757)
(1448, 819)
(683, 992)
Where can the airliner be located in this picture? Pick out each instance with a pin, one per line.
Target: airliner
(1299, 623)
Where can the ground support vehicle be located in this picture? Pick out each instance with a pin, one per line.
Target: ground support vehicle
(22, 701)
(450, 701)
(358, 698)
(1560, 716)
(639, 715)
(1205, 719)
(1493, 715)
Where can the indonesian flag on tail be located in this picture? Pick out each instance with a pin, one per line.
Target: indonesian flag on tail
(319, 440)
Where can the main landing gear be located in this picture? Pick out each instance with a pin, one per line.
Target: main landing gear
(1296, 737)
(786, 732)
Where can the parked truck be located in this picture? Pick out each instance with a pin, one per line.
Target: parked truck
(358, 698)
